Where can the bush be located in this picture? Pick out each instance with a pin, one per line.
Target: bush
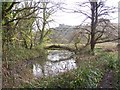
(79, 78)
(87, 75)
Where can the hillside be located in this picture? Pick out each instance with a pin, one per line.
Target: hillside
(72, 33)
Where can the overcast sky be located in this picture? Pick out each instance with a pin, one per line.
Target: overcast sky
(74, 18)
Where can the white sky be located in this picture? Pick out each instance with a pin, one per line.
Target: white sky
(74, 18)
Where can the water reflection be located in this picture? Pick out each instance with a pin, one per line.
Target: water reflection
(56, 55)
(51, 67)
(37, 71)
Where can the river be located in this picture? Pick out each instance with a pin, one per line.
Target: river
(58, 61)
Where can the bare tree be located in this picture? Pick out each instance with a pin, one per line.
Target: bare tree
(98, 10)
(48, 9)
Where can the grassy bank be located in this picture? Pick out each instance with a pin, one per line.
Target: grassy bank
(88, 74)
(13, 65)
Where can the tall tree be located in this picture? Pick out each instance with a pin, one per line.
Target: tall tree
(24, 27)
(49, 8)
(98, 10)
(94, 19)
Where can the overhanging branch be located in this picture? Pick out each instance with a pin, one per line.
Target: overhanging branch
(108, 40)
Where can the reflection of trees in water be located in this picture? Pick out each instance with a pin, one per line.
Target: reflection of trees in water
(38, 70)
(53, 68)
(38, 67)
(50, 67)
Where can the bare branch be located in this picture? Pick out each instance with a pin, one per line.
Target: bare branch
(108, 40)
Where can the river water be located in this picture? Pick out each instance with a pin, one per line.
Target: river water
(58, 61)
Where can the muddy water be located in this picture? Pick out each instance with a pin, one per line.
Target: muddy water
(58, 61)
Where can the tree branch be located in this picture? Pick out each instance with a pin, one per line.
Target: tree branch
(108, 40)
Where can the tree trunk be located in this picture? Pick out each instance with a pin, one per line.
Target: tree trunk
(25, 43)
(44, 23)
(93, 25)
(31, 45)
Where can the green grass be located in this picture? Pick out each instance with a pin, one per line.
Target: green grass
(79, 78)
(88, 75)
(16, 54)
(16, 57)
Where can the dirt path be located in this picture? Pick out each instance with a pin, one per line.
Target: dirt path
(108, 80)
